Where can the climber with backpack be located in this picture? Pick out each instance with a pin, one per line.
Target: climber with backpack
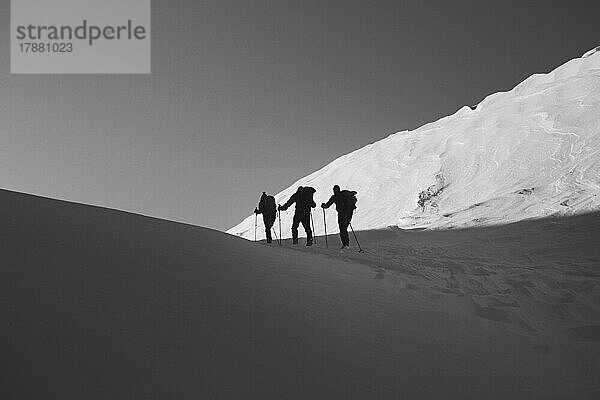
(267, 207)
(345, 204)
(304, 202)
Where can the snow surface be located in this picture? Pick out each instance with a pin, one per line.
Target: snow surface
(530, 152)
(103, 304)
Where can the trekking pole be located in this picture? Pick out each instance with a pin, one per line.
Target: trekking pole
(325, 225)
(255, 222)
(360, 250)
(279, 211)
(275, 232)
(313, 227)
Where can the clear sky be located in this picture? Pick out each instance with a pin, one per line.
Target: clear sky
(247, 96)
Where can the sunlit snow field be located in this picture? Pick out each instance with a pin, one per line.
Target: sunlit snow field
(533, 151)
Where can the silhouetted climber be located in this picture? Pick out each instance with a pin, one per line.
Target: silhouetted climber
(267, 207)
(304, 202)
(345, 204)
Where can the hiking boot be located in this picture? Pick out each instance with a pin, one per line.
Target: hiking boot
(344, 247)
(294, 241)
(309, 242)
(269, 240)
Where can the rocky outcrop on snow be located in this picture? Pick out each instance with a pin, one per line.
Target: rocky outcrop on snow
(430, 196)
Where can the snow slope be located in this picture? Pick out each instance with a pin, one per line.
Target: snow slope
(530, 152)
(103, 304)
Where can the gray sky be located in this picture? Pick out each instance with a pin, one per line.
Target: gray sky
(247, 96)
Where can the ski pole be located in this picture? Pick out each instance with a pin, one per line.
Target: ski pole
(325, 225)
(279, 211)
(360, 250)
(255, 222)
(313, 227)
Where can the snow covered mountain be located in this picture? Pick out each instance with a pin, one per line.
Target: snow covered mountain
(530, 152)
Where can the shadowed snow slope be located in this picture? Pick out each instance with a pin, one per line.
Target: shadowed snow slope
(529, 152)
(102, 304)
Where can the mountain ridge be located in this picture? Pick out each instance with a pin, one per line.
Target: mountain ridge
(525, 153)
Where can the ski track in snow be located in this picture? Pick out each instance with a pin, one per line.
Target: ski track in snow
(529, 152)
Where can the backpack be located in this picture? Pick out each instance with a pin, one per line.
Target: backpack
(349, 200)
(305, 200)
(270, 206)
